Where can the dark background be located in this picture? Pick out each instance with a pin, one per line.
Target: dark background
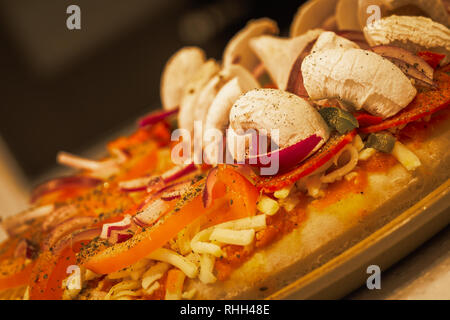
(68, 89)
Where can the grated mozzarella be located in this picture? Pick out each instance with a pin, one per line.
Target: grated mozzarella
(188, 267)
(405, 156)
(236, 237)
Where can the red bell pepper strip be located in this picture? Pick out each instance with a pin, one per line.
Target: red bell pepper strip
(335, 144)
(365, 119)
(433, 59)
(424, 104)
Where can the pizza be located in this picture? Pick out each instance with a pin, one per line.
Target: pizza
(258, 169)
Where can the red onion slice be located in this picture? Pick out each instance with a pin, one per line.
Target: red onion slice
(155, 117)
(75, 237)
(107, 228)
(411, 59)
(26, 249)
(151, 212)
(139, 184)
(66, 227)
(62, 183)
(289, 156)
(178, 172)
(174, 191)
(122, 237)
(157, 184)
(77, 162)
(21, 219)
(59, 215)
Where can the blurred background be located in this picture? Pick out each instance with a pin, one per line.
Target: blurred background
(74, 90)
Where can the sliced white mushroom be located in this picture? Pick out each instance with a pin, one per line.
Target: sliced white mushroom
(279, 54)
(186, 115)
(358, 77)
(434, 9)
(178, 71)
(211, 89)
(266, 109)
(217, 118)
(330, 40)
(238, 51)
(311, 15)
(347, 15)
(411, 33)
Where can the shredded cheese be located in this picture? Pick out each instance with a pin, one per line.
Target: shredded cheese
(153, 274)
(236, 237)
(351, 176)
(188, 295)
(290, 203)
(342, 171)
(313, 185)
(184, 237)
(282, 193)
(365, 154)
(267, 205)
(206, 269)
(405, 156)
(199, 243)
(152, 288)
(175, 259)
(127, 286)
(358, 143)
(256, 223)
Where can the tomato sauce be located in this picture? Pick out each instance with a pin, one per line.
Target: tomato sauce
(341, 189)
(278, 225)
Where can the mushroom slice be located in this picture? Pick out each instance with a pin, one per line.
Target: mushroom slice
(279, 54)
(358, 77)
(411, 33)
(330, 40)
(211, 89)
(434, 9)
(347, 15)
(266, 109)
(238, 51)
(217, 117)
(178, 71)
(192, 91)
(312, 15)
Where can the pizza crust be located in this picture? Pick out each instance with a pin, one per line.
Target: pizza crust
(327, 233)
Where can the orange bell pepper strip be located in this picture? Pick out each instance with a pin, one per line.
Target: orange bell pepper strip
(14, 273)
(231, 186)
(49, 272)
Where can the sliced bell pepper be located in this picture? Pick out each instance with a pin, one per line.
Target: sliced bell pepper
(424, 104)
(49, 272)
(365, 119)
(335, 144)
(237, 189)
(237, 195)
(14, 273)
